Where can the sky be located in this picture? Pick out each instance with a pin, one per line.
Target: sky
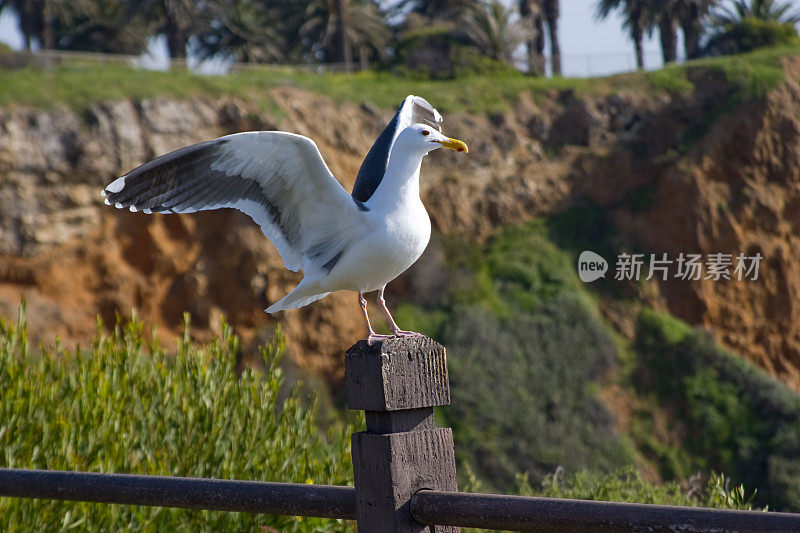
(588, 47)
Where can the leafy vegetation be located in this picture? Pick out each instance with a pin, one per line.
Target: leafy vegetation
(751, 33)
(124, 405)
(733, 417)
(526, 353)
(627, 485)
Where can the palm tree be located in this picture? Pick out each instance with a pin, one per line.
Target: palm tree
(745, 26)
(244, 30)
(690, 17)
(663, 15)
(36, 19)
(341, 49)
(493, 31)
(93, 26)
(334, 31)
(634, 12)
(769, 10)
(530, 12)
(176, 19)
(440, 10)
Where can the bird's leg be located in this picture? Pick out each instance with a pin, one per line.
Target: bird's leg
(372, 337)
(396, 331)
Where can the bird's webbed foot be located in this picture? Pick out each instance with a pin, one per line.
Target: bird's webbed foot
(372, 338)
(403, 333)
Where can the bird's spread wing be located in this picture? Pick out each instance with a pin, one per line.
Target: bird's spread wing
(413, 110)
(279, 179)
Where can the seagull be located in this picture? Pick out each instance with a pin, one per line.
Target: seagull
(354, 242)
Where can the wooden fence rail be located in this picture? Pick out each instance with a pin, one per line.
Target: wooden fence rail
(294, 499)
(404, 469)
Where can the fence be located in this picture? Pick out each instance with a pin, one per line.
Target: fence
(50, 58)
(572, 65)
(404, 470)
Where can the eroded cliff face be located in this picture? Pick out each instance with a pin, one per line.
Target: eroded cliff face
(713, 182)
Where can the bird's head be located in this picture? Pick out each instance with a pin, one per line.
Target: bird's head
(422, 138)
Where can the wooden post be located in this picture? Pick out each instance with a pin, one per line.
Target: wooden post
(397, 382)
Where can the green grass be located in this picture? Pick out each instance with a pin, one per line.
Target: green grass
(80, 84)
(123, 405)
(750, 75)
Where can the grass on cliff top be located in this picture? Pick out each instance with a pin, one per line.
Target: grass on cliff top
(750, 75)
(79, 85)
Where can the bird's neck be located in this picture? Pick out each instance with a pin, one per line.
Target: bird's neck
(400, 183)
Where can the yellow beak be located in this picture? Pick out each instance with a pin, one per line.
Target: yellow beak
(455, 144)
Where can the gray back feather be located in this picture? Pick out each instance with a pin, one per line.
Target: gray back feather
(413, 110)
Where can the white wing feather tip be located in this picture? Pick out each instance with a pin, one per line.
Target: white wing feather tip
(107, 202)
(103, 193)
(118, 205)
(116, 185)
(133, 209)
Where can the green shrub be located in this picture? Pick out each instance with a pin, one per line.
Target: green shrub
(524, 394)
(525, 354)
(124, 405)
(750, 33)
(627, 485)
(733, 416)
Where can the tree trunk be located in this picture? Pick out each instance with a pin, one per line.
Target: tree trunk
(691, 38)
(27, 23)
(176, 36)
(637, 32)
(555, 48)
(669, 40)
(552, 12)
(48, 31)
(534, 40)
(538, 42)
(341, 48)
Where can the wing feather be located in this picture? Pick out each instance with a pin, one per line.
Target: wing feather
(279, 179)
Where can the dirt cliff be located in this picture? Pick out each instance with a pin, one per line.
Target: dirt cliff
(691, 171)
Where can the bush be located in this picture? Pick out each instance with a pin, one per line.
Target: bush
(733, 416)
(439, 52)
(627, 485)
(751, 33)
(524, 394)
(525, 354)
(126, 406)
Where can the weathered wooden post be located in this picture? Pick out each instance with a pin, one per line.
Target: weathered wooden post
(397, 382)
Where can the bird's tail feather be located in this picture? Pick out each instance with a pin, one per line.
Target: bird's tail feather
(293, 300)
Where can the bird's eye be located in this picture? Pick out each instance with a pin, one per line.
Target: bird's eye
(426, 132)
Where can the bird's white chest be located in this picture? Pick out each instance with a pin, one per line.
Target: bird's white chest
(398, 239)
(407, 231)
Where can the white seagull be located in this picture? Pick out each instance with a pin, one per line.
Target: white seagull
(357, 242)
